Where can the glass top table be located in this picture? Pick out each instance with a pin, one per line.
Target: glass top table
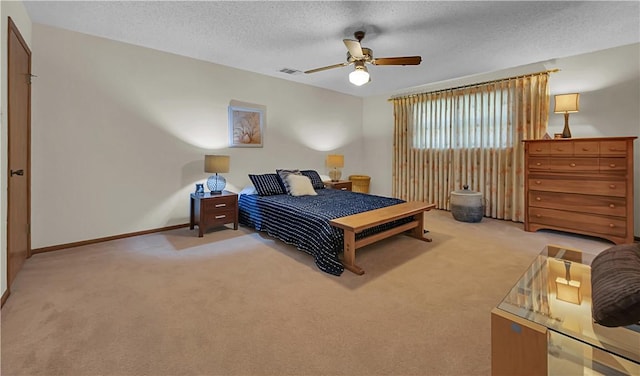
(555, 291)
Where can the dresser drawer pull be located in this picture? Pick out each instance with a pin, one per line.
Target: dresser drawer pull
(343, 189)
(611, 225)
(220, 205)
(612, 165)
(220, 216)
(612, 186)
(572, 164)
(612, 206)
(538, 199)
(538, 164)
(538, 149)
(538, 182)
(538, 216)
(585, 149)
(616, 149)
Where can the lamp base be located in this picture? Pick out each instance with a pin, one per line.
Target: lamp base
(216, 184)
(335, 174)
(566, 132)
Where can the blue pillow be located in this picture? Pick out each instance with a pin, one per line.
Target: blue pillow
(267, 184)
(313, 175)
(282, 174)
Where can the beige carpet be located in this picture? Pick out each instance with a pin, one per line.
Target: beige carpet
(241, 303)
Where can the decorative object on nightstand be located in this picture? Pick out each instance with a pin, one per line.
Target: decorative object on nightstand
(335, 162)
(566, 104)
(199, 189)
(216, 164)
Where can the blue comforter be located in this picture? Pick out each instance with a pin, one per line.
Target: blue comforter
(303, 221)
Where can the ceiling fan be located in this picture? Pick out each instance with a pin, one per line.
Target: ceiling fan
(359, 56)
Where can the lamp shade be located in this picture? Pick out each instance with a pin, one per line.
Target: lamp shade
(566, 103)
(335, 160)
(216, 163)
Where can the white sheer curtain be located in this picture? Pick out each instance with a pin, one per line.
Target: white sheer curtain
(469, 136)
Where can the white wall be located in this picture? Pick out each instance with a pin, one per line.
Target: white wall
(609, 85)
(119, 133)
(18, 14)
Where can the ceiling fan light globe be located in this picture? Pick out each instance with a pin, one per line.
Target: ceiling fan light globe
(359, 77)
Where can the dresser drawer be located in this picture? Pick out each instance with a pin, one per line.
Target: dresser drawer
(613, 165)
(539, 148)
(614, 147)
(219, 204)
(578, 221)
(539, 163)
(615, 188)
(559, 148)
(613, 206)
(586, 148)
(574, 164)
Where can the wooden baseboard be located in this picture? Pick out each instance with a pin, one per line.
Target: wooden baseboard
(105, 239)
(5, 296)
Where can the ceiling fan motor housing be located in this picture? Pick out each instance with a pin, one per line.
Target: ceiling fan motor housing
(367, 52)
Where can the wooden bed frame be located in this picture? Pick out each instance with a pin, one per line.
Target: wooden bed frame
(356, 223)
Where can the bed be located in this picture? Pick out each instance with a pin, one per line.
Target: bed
(304, 221)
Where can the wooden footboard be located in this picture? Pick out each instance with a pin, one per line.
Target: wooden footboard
(356, 223)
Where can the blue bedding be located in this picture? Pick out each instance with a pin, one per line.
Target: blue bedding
(303, 221)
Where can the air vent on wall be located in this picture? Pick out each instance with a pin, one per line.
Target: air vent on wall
(290, 71)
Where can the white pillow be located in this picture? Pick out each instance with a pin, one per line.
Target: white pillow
(249, 190)
(300, 185)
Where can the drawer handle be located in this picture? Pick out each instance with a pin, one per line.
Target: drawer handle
(538, 215)
(538, 164)
(538, 199)
(612, 165)
(220, 205)
(611, 225)
(585, 149)
(220, 216)
(612, 206)
(559, 149)
(572, 164)
(615, 149)
(538, 149)
(538, 182)
(612, 186)
(343, 189)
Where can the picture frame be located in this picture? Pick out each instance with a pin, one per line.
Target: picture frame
(246, 127)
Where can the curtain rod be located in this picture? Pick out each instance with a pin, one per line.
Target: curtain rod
(473, 85)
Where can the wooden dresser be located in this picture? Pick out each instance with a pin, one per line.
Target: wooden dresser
(580, 185)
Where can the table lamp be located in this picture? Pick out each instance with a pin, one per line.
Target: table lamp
(336, 162)
(216, 164)
(566, 104)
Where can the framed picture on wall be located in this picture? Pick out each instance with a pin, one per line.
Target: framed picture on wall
(245, 127)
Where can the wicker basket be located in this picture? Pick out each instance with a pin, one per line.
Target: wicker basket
(360, 183)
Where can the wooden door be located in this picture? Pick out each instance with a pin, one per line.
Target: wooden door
(19, 151)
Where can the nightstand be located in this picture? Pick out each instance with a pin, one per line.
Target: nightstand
(344, 185)
(209, 210)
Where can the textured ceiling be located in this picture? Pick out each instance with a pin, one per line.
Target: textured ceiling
(454, 38)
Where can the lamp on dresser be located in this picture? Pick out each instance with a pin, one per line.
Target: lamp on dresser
(216, 164)
(335, 162)
(566, 104)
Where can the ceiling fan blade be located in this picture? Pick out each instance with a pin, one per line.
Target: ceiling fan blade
(354, 47)
(406, 60)
(328, 67)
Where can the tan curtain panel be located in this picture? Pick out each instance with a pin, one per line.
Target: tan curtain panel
(469, 136)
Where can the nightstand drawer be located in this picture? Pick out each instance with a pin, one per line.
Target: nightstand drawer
(343, 185)
(221, 217)
(221, 203)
